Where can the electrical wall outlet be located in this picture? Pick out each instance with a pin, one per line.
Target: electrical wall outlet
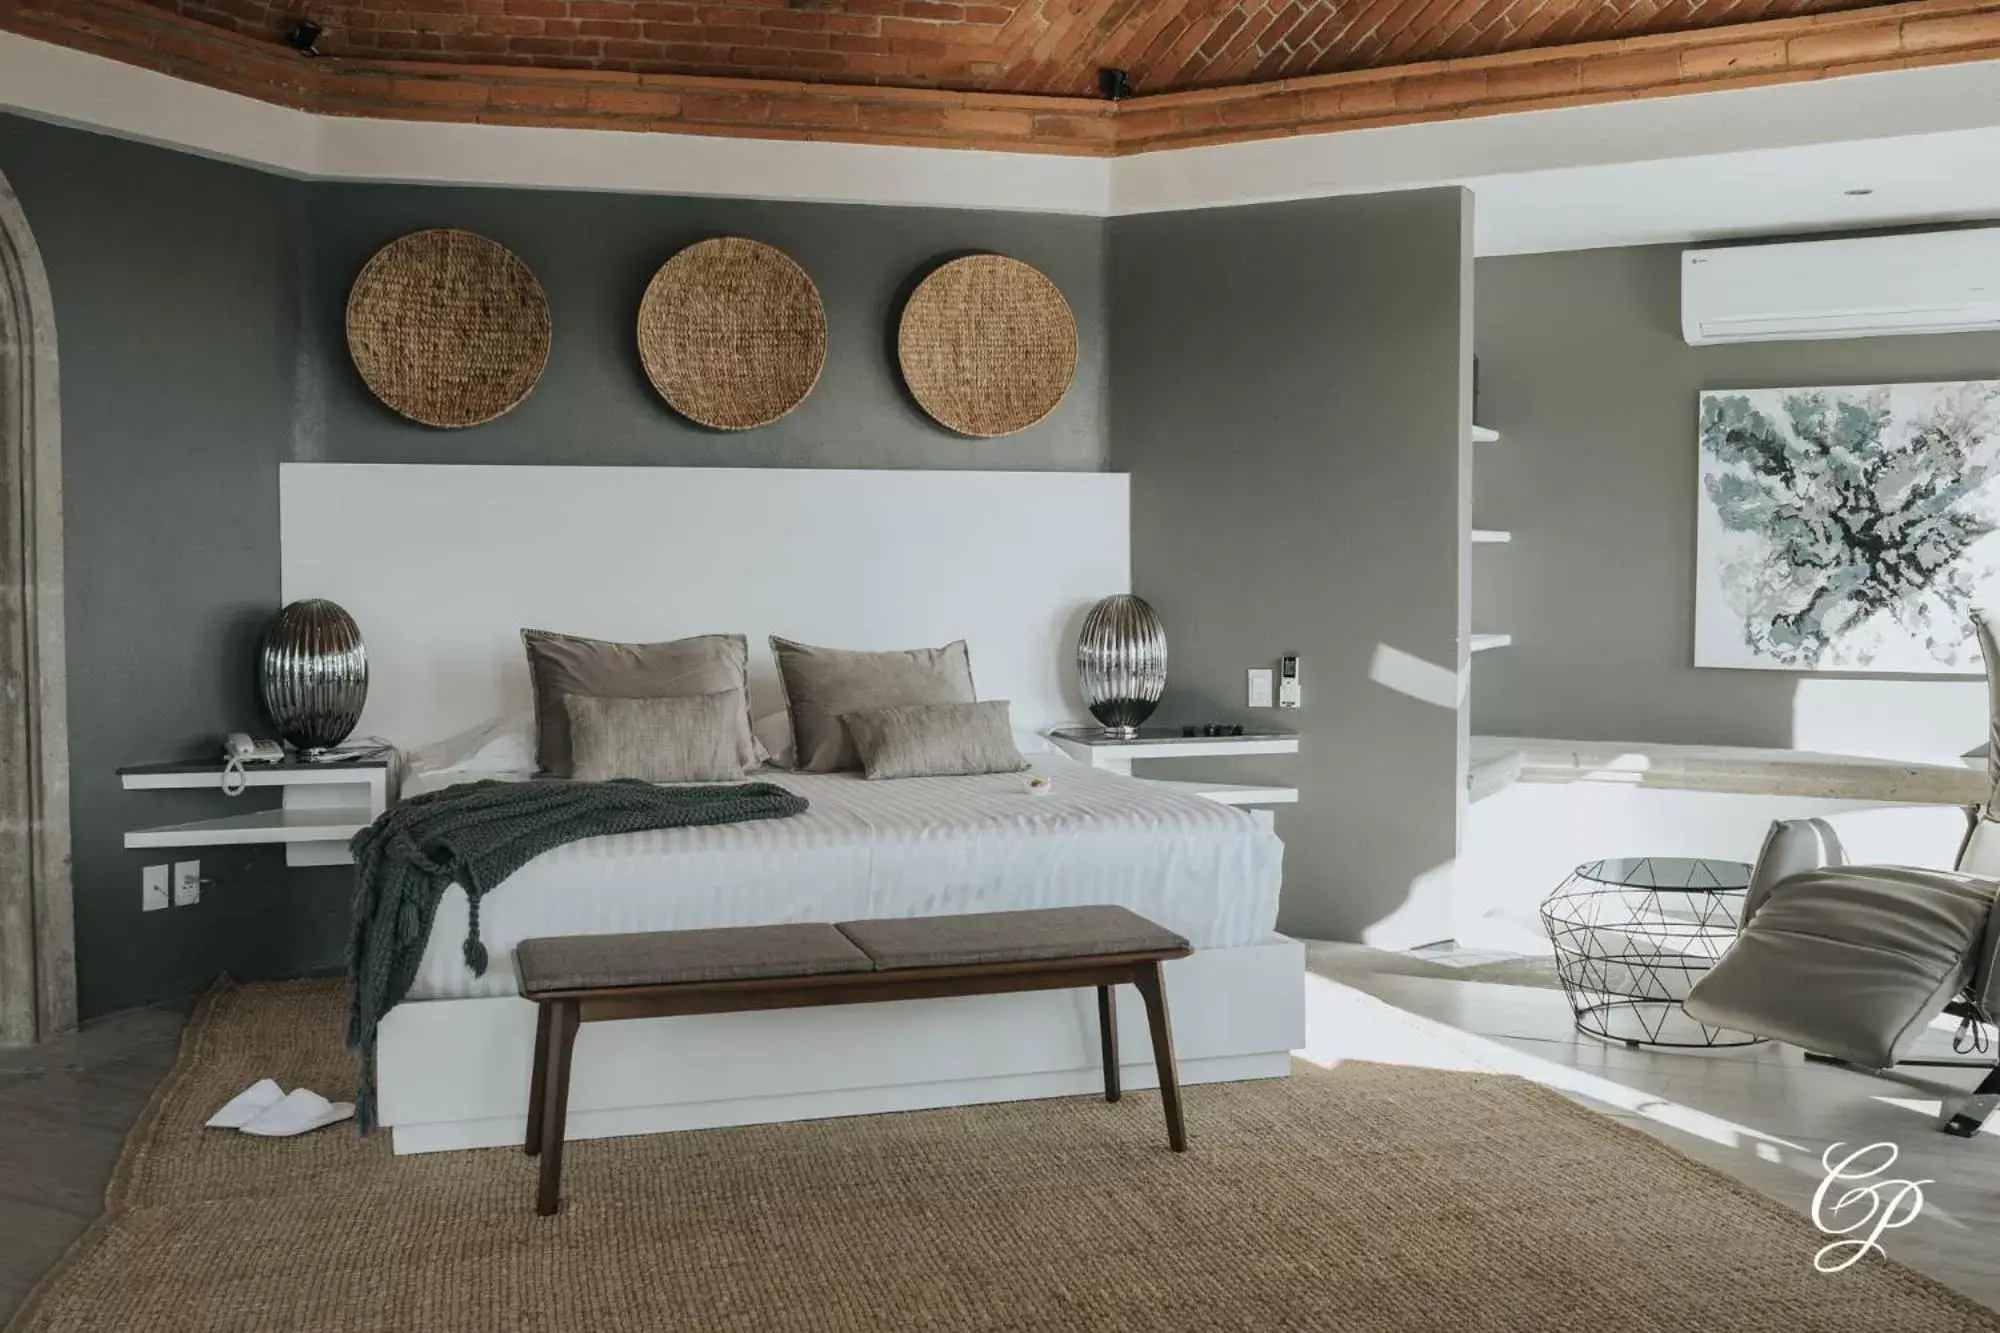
(187, 883)
(1260, 687)
(153, 883)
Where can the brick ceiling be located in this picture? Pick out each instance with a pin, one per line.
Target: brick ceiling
(1028, 46)
(1002, 75)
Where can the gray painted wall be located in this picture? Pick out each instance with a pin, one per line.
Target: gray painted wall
(198, 308)
(174, 304)
(1292, 390)
(1583, 371)
(594, 254)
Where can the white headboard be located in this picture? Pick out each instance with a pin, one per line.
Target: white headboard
(443, 565)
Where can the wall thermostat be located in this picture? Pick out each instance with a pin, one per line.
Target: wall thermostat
(1288, 681)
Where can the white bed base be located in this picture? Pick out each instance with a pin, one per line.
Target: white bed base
(454, 1073)
(1010, 562)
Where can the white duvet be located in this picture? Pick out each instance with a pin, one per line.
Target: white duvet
(898, 848)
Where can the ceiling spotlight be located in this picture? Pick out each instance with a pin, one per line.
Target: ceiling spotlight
(1858, 192)
(304, 36)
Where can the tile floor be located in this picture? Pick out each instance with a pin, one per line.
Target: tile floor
(65, 1109)
(1762, 1114)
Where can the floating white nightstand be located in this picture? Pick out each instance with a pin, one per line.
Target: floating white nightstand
(1482, 435)
(1091, 746)
(1481, 642)
(1490, 537)
(1233, 793)
(325, 805)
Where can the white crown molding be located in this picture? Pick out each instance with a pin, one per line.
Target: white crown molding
(1691, 125)
(1923, 179)
(1657, 169)
(1689, 167)
(70, 87)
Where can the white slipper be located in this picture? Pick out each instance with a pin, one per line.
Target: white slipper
(246, 1105)
(299, 1113)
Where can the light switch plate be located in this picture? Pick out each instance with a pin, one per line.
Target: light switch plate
(1260, 687)
(187, 883)
(153, 885)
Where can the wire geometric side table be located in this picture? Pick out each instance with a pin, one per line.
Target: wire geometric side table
(1632, 936)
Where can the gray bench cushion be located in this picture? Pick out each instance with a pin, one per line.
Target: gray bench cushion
(1007, 937)
(668, 957)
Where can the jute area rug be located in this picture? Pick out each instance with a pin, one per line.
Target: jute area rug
(1369, 1197)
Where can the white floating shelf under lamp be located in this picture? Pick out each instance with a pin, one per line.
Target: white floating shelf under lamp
(1485, 435)
(324, 806)
(1481, 642)
(335, 824)
(1234, 793)
(1090, 746)
(1491, 537)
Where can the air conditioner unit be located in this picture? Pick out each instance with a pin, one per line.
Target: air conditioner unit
(1923, 282)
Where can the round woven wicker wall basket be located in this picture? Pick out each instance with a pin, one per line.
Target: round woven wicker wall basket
(987, 345)
(732, 333)
(448, 328)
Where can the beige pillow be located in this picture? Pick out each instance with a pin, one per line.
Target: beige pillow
(688, 739)
(935, 740)
(562, 664)
(823, 683)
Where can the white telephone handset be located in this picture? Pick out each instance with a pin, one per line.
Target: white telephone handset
(239, 749)
(240, 746)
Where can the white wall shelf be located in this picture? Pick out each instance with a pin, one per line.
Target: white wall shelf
(207, 776)
(1481, 642)
(1482, 435)
(1089, 745)
(1234, 793)
(335, 824)
(325, 805)
(1099, 751)
(1491, 537)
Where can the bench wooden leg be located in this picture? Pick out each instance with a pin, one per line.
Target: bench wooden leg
(1107, 1031)
(555, 1103)
(1147, 979)
(537, 1080)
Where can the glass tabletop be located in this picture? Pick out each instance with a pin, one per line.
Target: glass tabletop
(1672, 873)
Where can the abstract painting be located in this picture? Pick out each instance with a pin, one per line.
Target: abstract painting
(1847, 529)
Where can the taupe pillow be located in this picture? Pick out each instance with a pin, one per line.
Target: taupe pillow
(693, 738)
(822, 683)
(561, 664)
(935, 740)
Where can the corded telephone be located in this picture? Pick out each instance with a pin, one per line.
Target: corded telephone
(239, 749)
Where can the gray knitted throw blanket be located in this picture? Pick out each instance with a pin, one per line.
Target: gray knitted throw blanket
(475, 836)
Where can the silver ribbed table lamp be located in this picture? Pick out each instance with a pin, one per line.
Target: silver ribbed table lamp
(1121, 662)
(313, 674)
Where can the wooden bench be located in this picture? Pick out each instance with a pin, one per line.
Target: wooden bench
(576, 979)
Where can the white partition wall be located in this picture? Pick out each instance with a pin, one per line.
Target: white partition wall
(442, 566)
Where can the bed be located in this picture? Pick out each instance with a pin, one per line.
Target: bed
(912, 847)
(1009, 562)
